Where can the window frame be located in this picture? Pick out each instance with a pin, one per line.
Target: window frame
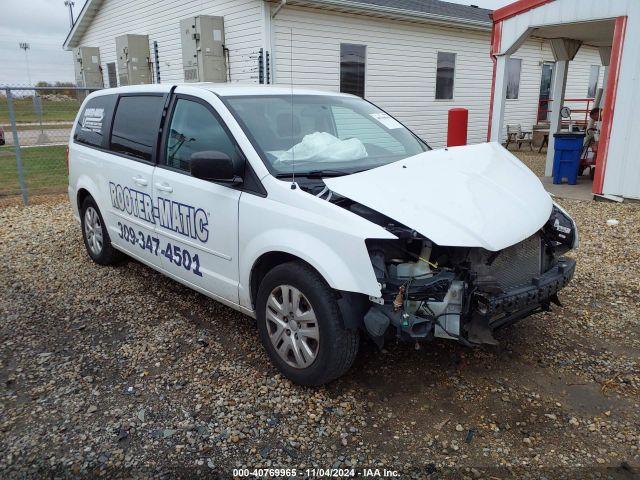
(364, 69)
(506, 90)
(154, 149)
(597, 79)
(453, 87)
(165, 134)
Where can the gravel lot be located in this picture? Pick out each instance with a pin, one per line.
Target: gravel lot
(122, 372)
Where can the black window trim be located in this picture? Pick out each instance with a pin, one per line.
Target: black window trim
(254, 185)
(154, 150)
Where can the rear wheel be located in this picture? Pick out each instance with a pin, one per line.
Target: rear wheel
(301, 327)
(95, 234)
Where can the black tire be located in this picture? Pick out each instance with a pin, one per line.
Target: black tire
(107, 255)
(337, 346)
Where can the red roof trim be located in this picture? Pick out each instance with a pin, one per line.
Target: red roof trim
(516, 8)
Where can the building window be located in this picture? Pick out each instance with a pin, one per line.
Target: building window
(594, 76)
(445, 75)
(352, 68)
(514, 67)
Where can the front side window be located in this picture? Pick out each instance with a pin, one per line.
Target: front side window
(135, 125)
(445, 75)
(594, 76)
(194, 128)
(322, 132)
(514, 67)
(93, 123)
(352, 69)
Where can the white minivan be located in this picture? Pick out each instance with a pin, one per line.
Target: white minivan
(318, 214)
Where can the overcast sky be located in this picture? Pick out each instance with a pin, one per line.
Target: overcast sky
(44, 24)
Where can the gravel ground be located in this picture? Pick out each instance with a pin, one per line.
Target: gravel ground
(119, 371)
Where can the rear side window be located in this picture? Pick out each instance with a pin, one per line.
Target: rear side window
(135, 125)
(94, 121)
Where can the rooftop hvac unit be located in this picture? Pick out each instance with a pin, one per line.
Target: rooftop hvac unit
(87, 67)
(134, 61)
(203, 56)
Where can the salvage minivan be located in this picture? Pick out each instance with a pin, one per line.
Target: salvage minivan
(318, 214)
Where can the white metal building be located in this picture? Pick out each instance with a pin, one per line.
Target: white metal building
(417, 58)
(614, 28)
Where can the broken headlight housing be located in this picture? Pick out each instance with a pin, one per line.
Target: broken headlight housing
(561, 230)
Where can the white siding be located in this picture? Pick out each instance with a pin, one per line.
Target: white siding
(401, 67)
(160, 19)
(623, 162)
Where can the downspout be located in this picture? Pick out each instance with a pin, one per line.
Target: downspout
(496, 33)
(272, 43)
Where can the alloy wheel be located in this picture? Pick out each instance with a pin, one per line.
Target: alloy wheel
(292, 326)
(93, 230)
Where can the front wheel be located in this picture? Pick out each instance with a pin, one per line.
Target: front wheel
(301, 326)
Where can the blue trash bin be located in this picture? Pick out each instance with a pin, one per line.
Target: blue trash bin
(566, 160)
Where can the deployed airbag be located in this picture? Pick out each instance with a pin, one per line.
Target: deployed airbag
(322, 146)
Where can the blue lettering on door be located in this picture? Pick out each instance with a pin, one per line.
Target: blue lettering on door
(177, 217)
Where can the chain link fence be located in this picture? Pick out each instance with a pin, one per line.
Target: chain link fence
(35, 124)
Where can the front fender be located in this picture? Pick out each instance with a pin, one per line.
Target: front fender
(356, 276)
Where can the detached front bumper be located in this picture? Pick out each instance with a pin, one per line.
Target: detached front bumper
(512, 305)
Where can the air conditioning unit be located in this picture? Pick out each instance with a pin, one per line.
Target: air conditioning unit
(87, 67)
(134, 60)
(203, 56)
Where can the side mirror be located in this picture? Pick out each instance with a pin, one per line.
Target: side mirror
(216, 167)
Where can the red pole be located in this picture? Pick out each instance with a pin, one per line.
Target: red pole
(457, 130)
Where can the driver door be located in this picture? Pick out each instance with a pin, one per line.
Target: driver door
(197, 219)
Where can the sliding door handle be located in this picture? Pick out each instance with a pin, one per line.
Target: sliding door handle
(164, 187)
(138, 180)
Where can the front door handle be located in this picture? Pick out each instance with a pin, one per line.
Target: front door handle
(164, 187)
(140, 181)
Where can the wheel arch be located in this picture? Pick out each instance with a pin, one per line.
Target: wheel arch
(81, 195)
(84, 187)
(352, 305)
(274, 246)
(268, 261)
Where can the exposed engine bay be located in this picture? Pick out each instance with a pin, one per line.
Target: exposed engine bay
(460, 293)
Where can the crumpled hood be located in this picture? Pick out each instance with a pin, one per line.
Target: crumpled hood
(472, 196)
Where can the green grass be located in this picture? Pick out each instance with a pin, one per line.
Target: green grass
(45, 170)
(51, 111)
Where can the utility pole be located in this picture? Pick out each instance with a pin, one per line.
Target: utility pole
(70, 4)
(25, 46)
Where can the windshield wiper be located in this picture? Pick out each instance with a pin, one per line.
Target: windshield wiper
(317, 174)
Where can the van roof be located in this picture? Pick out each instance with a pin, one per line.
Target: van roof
(221, 89)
